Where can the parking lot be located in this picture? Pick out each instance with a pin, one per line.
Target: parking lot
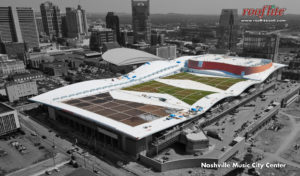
(21, 151)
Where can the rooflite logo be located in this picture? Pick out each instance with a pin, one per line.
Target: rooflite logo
(265, 11)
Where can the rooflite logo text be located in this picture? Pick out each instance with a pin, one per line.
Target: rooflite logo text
(267, 10)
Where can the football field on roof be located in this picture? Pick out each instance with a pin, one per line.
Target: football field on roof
(221, 83)
(189, 96)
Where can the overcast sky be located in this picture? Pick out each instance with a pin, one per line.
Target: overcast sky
(162, 6)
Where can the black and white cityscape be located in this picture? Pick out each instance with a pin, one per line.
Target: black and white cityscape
(149, 87)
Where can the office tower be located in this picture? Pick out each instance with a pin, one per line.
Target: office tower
(157, 38)
(28, 26)
(112, 21)
(99, 36)
(76, 22)
(261, 45)
(141, 23)
(64, 26)
(126, 38)
(18, 25)
(51, 19)
(227, 32)
(39, 25)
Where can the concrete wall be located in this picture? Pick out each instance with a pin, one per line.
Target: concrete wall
(156, 165)
(290, 98)
(192, 162)
(27, 107)
(133, 146)
(176, 164)
(187, 163)
(52, 113)
(230, 152)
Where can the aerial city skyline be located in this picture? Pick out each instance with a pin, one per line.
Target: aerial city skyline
(210, 7)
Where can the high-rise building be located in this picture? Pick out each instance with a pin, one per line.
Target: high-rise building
(99, 36)
(261, 45)
(141, 23)
(227, 31)
(18, 25)
(39, 25)
(126, 38)
(76, 22)
(157, 39)
(51, 19)
(64, 26)
(28, 26)
(112, 21)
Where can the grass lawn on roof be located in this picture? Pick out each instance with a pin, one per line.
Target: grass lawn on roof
(221, 83)
(189, 96)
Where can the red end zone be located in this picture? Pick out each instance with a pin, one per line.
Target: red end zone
(235, 69)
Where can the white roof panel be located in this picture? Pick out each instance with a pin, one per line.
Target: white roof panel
(149, 71)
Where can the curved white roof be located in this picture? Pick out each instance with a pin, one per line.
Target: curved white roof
(148, 71)
(126, 56)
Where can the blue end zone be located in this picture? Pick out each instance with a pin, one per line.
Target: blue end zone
(200, 63)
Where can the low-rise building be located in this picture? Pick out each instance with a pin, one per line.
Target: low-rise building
(55, 68)
(36, 59)
(16, 91)
(9, 121)
(166, 52)
(10, 66)
(99, 36)
(110, 45)
(15, 50)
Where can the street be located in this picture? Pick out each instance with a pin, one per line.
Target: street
(61, 145)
